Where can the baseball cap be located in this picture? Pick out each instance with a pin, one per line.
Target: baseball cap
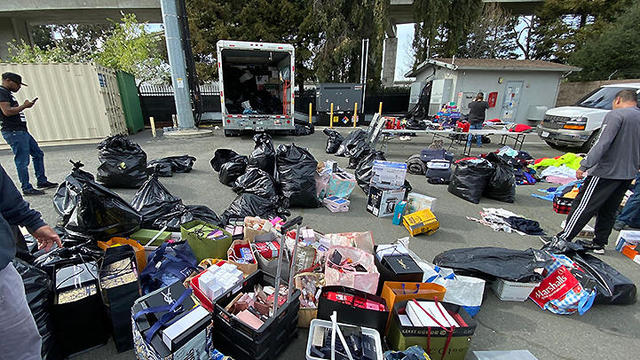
(13, 77)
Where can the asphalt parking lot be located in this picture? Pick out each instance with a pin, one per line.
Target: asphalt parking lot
(611, 332)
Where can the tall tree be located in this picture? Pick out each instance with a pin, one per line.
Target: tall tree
(338, 27)
(564, 25)
(614, 53)
(492, 35)
(441, 26)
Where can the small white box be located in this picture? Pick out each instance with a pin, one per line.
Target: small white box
(417, 202)
(512, 291)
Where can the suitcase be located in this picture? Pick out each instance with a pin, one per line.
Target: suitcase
(420, 222)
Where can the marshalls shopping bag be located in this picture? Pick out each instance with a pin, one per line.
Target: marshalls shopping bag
(566, 289)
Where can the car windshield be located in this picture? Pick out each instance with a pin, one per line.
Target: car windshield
(601, 98)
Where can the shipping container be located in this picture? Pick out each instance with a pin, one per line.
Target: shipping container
(77, 102)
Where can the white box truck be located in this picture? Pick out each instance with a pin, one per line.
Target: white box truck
(256, 86)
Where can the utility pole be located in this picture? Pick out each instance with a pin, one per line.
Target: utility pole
(177, 63)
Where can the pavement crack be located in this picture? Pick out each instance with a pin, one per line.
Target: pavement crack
(532, 343)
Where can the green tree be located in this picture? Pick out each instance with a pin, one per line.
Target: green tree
(492, 35)
(442, 26)
(564, 25)
(614, 52)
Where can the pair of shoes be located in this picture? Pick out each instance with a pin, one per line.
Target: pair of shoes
(593, 247)
(32, 192)
(619, 225)
(47, 185)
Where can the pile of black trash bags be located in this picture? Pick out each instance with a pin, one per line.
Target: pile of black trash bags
(490, 263)
(269, 180)
(492, 177)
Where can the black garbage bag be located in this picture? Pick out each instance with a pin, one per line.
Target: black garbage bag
(162, 169)
(89, 209)
(37, 287)
(174, 164)
(357, 153)
(303, 129)
(263, 155)
(333, 141)
(123, 163)
(153, 200)
(502, 185)
(296, 169)
(364, 171)
(352, 140)
(222, 156)
(64, 202)
(613, 288)
(256, 181)
(494, 262)
(251, 205)
(231, 170)
(182, 214)
(470, 178)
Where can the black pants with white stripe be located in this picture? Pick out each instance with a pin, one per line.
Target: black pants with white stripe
(600, 198)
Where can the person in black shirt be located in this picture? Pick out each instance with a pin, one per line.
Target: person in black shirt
(477, 110)
(14, 131)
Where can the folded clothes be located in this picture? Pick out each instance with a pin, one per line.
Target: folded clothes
(415, 165)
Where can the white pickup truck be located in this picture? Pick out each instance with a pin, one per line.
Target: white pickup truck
(256, 86)
(578, 126)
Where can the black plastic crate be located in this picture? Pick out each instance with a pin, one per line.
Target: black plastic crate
(244, 342)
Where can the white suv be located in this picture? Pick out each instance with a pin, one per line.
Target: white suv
(578, 126)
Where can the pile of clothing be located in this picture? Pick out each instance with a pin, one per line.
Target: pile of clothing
(520, 161)
(503, 220)
(558, 170)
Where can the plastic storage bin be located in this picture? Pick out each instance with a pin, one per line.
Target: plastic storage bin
(511, 290)
(317, 323)
(241, 341)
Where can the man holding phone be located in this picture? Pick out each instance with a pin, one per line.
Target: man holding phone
(14, 131)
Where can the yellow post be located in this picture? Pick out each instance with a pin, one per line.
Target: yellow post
(331, 117)
(380, 109)
(310, 109)
(355, 114)
(153, 126)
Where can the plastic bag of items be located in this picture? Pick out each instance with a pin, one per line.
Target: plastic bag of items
(229, 165)
(90, 209)
(153, 200)
(263, 155)
(333, 141)
(172, 164)
(470, 179)
(296, 169)
(255, 181)
(502, 184)
(354, 139)
(123, 163)
(251, 205)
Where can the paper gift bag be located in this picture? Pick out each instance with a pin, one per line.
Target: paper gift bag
(141, 257)
(393, 292)
(234, 253)
(343, 265)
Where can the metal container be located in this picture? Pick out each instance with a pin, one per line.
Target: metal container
(77, 102)
(130, 101)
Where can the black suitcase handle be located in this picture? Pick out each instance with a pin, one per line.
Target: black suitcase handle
(291, 223)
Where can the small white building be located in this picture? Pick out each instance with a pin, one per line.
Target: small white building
(517, 90)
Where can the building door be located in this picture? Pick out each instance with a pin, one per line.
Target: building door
(511, 100)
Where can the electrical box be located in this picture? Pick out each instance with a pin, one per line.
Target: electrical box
(343, 97)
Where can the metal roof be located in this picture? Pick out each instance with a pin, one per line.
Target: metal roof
(493, 64)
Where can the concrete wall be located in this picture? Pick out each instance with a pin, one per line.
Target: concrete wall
(571, 92)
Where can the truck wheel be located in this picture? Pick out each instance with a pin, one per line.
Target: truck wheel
(591, 142)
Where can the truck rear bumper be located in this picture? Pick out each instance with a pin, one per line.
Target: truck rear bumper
(257, 123)
(563, 137)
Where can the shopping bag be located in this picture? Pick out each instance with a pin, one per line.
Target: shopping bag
(566, 289)
(168, 264)
(141, 257)
(395, 291)
(206, 240)
(245, 262)
(360, 240)
(465, 291)
(344, 266)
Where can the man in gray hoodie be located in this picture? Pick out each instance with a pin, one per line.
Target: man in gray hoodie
(19, 337)
(610, 166)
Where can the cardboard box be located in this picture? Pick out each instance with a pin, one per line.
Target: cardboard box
(420, 222)
(382, 202)
(627, 237)
(400, 337)
(417, 202)
(388, 174)
(630, 251)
